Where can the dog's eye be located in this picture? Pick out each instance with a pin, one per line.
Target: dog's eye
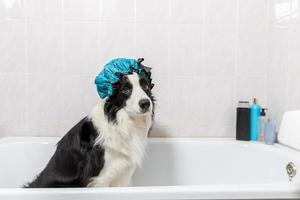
(126, 91)
(145, 87)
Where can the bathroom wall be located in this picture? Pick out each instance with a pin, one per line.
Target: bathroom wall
(206, 55)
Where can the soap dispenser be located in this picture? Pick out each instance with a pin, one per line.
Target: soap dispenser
(262, 123)
(255, 112)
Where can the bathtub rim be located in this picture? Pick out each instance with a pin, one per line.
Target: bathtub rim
(261, 145)
(245, 191)
(268, 191)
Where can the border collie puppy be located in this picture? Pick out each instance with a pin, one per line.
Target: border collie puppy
(104, 148)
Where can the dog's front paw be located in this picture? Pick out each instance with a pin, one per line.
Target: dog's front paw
(98, 182)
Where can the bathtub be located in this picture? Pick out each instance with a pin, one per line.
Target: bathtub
(173, 169)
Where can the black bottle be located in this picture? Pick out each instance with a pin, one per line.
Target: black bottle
(243, 121)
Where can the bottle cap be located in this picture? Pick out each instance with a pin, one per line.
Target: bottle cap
(243, 104)
(255, 100)
(263, 112)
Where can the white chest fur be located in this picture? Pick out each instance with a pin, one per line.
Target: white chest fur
(124, 145)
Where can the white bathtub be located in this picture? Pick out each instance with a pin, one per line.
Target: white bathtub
(173, 169)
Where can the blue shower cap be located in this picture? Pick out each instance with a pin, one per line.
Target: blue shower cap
(111, 74)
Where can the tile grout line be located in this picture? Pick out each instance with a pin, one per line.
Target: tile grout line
(63, 64)
(135, 31)
(27, 70)
(169, 29)
(236, 50)
(288, 75)
(268, 54)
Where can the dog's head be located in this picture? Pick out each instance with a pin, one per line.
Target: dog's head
(132, 93)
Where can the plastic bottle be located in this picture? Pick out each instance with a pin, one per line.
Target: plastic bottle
(262, 124)
(255, 111)
(270, 132)
(243, 121)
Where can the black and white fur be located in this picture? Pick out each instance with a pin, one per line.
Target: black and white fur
(104, 148)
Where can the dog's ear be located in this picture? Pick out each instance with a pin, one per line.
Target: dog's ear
(145, 68)
(147, 72)
(140, 60)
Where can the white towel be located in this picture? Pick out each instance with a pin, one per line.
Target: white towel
(289, 132)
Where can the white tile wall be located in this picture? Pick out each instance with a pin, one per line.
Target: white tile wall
(206, 55)
(156, 11)
(221, 12)
(187, 11)
(278, 95)
(45, 104)
(185, 49)
(116, 40)
(278, 63)
(153, 46)
(81, 88)
(13, 46)
(13, 104)
(81, 9)
(253, 54)
(218, 100)
(294, 49)
(44, 46)
(220, 47)
(42, 9)
(12, 8)
(253, 12)
(185, 93)
(118, 10)
(81, 47)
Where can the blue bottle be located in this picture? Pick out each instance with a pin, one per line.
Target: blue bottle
(255, 111)
(270, 132)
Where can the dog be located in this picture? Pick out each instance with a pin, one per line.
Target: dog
(105, 147)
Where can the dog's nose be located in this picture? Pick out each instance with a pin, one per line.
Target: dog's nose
(144, 104)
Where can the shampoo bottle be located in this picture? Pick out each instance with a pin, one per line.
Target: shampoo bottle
(255, 112)
(243, 121)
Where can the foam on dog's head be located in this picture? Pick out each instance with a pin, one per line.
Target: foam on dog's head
(114, 70)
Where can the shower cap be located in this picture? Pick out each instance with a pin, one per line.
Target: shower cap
(112, 72)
